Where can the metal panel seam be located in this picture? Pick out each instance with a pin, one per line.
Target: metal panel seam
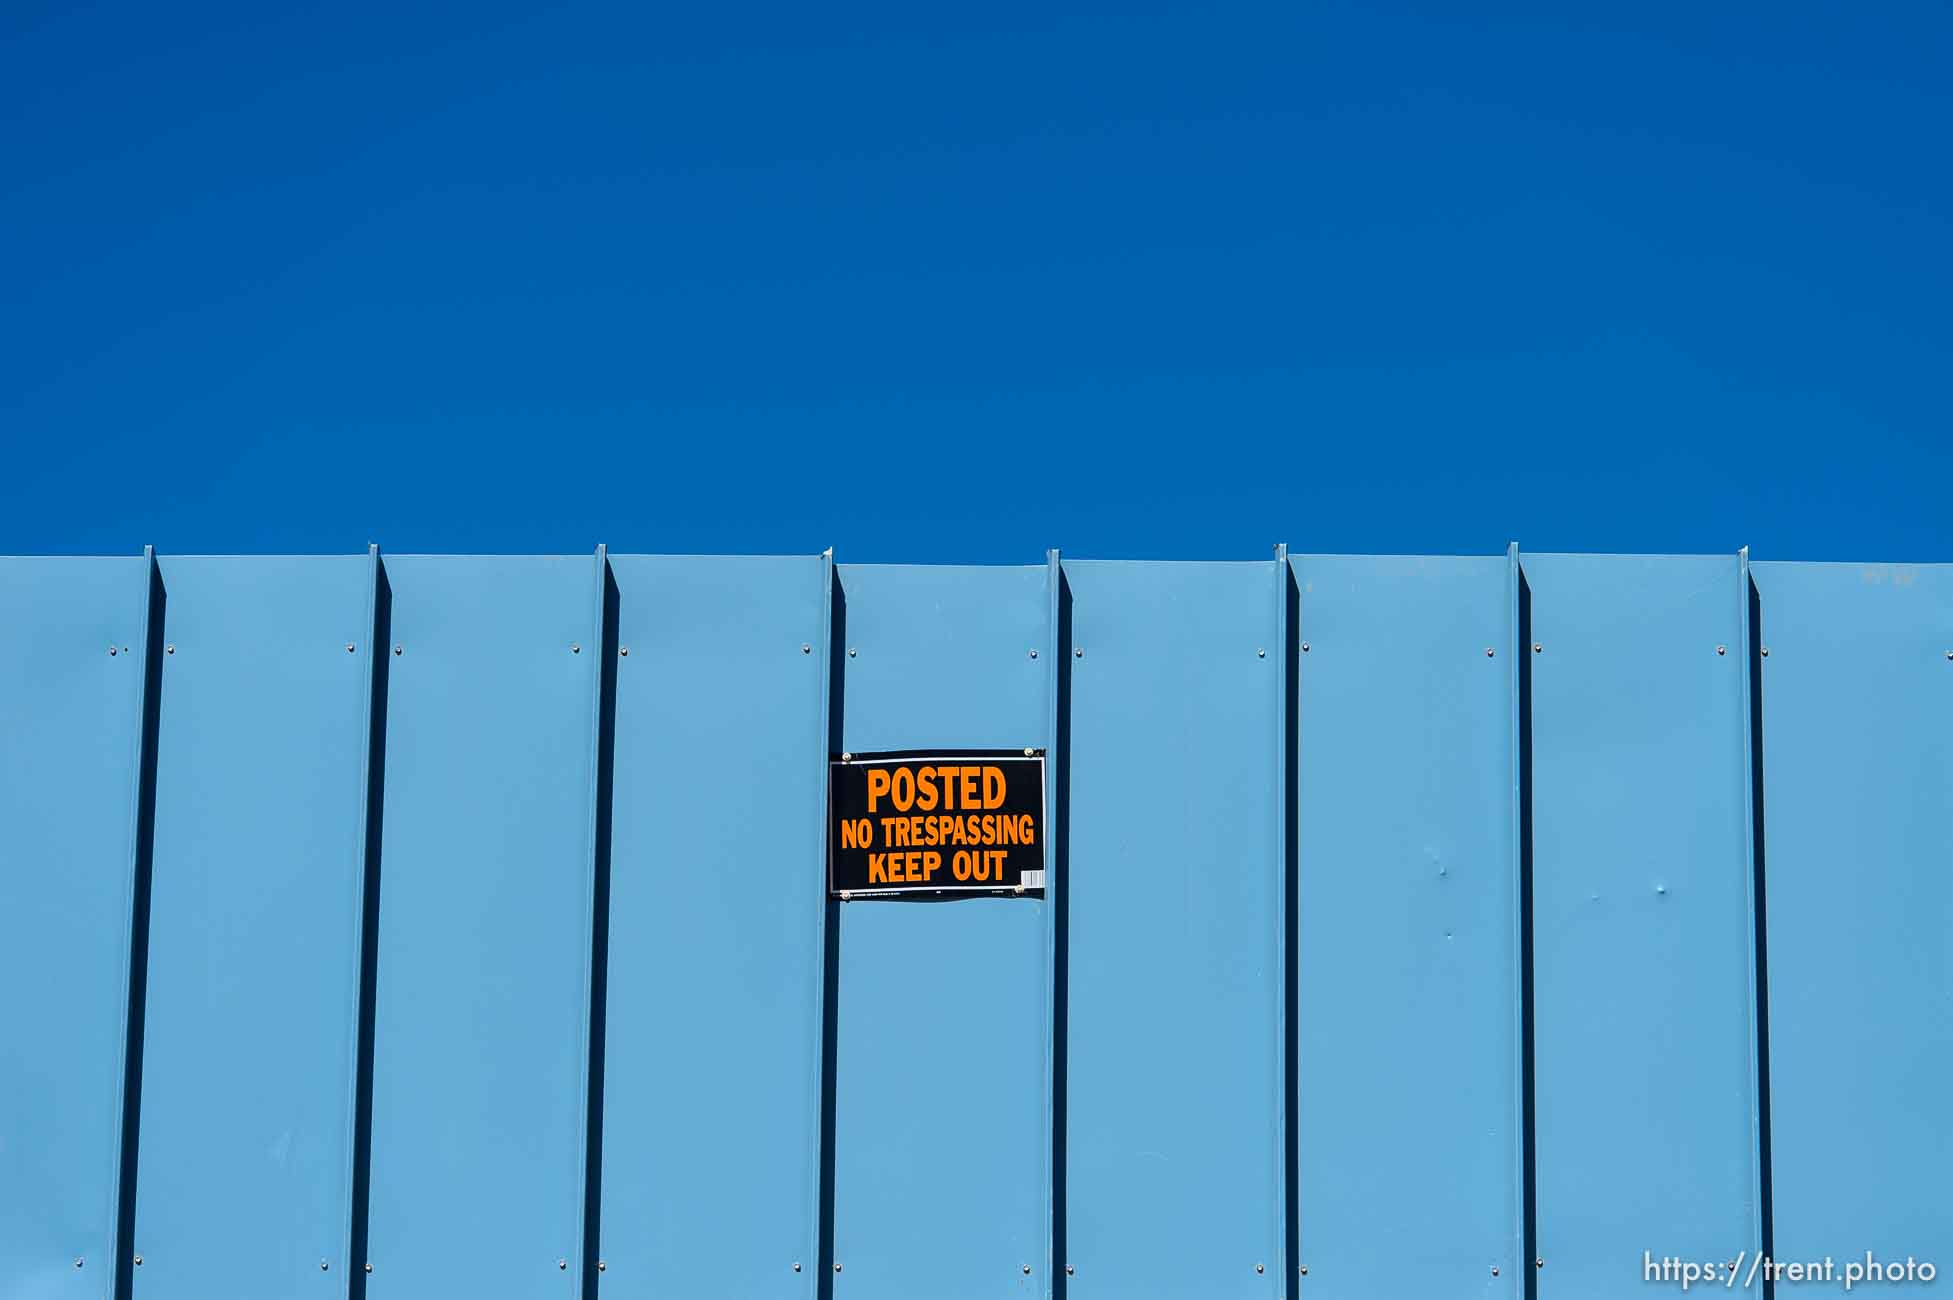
(1749, 905)
(152, 577)
(1515, 684)
(1279, 1201)
(816, 1099)
(585, 1247)
(373, 653)
(1055, 575)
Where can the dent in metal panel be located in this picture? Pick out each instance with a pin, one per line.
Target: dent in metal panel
(1642, 935)
(1857, 730)
(254, 927)
(484, 927)
(1175, 1164)
(712, 1065)
(71, 681)
(1408, 976)
(941, 1127)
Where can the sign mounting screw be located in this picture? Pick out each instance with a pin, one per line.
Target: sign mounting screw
(796, 1266)
(576, 648)
(1261, 1268)
(1722, 649)
(1027, 1270)
(1537, 647)
(350, 648)
(170, 649)
(396, 649)
(1305, 647)
(806, 649)
(1261, 652)
(1488, 652)
(601, 1266)
(624, 651)
(562, 1264)
(1034, 654)
(852, 652)
(1078, 652)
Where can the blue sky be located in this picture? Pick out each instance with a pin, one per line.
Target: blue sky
(958, 284)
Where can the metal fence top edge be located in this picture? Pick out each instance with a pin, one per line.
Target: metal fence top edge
(1294, 557)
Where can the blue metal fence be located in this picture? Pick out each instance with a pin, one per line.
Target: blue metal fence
(1417, 926)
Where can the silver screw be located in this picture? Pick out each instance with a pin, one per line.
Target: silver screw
(323, 1266)
(111, 652)
(369, 1267)
(1537, 647)
(1261, 652)
(350, 648)
(1078, 652)
(77, 1261)
(796, 1266)
(1027, 1270)
(575, 649)
(1029, 752)
(624, 651)
(1261, 1268)
(601, 1266)
(139, 1261)
(562, 1263)
(1722, 649)
(1069, 1270)
(1304, 1270)
(1488, 652)
(1305, 647)
(1034, 654)
(396, 648)
(851, 652)
(1495, 1270)
(837, 1268)
(806, 649)
(170, 649)
(1539, 1263)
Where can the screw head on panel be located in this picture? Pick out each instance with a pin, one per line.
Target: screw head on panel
(170, 649)
(1765, 652)
(1030, 752)
(1261, 652)
(1722, 649)
(1495, 1270)
(1261, 1268)
(805, 648)
(796, 1266)
(369, 1267)
(1069, 1270)
(576, 648)
(1537, 647)
(1488, 652)
(351, 647)
(77, 1261)
(1305, 647)
(111, 652)
(852, 652)
(1539, 1262)
(323, 1266)
(837, 1268)
(1304, 1270)
(601, 1266)
(1078, 652)
(139, 1261)
(1027, 1270)
(623, 652)
(396, 648)
(1034, 654)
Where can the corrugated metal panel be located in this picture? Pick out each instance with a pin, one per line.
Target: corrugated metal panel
(1524, 888)
(1175, 928)
(941, 1119)
(1642, 934)
(712, 1063)
(255, 928)
(1408, 1022)
(485, 913)
(72, 653)
(1857, 697)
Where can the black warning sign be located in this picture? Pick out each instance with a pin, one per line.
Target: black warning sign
(936, 822)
